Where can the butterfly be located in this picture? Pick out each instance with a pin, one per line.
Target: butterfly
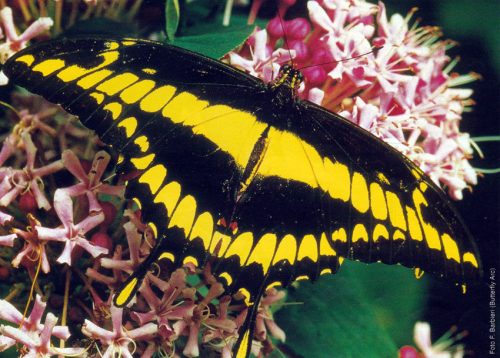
(270, 188)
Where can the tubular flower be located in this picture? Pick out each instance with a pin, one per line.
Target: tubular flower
(14, 42)
(72, 234)
(31, 333)
(391, 78)
(13, 182)
(120, 341)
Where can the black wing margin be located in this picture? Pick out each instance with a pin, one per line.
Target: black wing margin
(407, 219)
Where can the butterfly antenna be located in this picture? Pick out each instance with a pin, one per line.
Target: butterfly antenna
(285, 39)
(343, 60)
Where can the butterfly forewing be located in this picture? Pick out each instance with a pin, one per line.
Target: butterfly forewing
(274, 190)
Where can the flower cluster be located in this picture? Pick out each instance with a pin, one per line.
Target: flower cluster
(390, 77)
(68, 234)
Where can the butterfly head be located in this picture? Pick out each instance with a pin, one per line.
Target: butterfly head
(288, 77)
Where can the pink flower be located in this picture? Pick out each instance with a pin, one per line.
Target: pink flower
(34, 247)
(13, 182)
(31, 333)
(443, 348)
(120, 265)
(90, 183)
(72, 234)
(15, 42)
(384, 75)
(120, 341)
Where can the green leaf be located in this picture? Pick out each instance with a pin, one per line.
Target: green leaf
(215, 44)
(100, 26)
(172, 15)
(363, 311)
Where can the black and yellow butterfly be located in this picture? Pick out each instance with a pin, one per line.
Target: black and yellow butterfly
(271, 188)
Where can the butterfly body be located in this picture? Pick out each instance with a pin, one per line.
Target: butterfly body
(271, 188)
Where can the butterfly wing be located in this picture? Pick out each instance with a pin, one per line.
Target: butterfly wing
(273, 190)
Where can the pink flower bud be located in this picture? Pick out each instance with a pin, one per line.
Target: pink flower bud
(109, 211)
(102, 239)
(301, 51)
(297, 29)
(314, 76)
(275, 28)
(408, 352)
(27, 203)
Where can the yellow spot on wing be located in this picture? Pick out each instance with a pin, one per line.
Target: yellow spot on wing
(143, 162)
(359, 193)
(430, 232)
(359, 233)
(99, 97)
(93, 79)
(203, 228)
(325, 249)
(341, 187)
(227, 277)
(126, 292)
(396, 214)
(273, 284)
(450, 248)
(129, 42)
(183, 215)
(325, 271)
(190, 260)
(49, 66)
(138, 202)
(241, 247)
(153, 228)
(150, 71)
(169, 196)
(263, 252)
(398, 235)
(413, 224)
(130, 125)
(154, 177)
(112, 45)
(27, 59)
(469, 257)
(142, 142)
(380, 231)
(117, 83)
(138, 90)
(167, 256)
(383, 178)
(115, 108)
(308, 248)
(339, 235)
(73, 72)
(287, 250)
(157, 98)
(377, 202)
(181, 106)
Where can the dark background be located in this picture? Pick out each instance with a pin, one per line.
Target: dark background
(474, 24)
